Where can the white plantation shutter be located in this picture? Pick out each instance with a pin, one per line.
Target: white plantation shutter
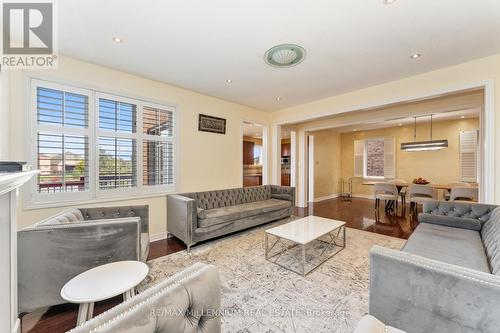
(359, 158)
(468, 156)
(62, 133)
(158, 148)
(90, 144)
(390, 157)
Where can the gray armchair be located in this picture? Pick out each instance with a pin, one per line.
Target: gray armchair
(53, 251)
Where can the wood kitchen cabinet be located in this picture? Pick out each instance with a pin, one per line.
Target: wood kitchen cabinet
(286, 149)
(254, 180)
(285, 179)
(248, 152)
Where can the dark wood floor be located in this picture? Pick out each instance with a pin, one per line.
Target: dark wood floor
(358, 214)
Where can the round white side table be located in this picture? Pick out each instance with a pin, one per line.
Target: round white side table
(101, 283)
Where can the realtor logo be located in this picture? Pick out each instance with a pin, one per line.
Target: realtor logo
(28, 35)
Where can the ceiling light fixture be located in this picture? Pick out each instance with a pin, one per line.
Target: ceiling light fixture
(416, 55)
(462, 117)
(388, 2)
(285, 55)
(423, 145)
(400, 124)
(278, 99)
(117, 40)
(354, 129)
(229, 81)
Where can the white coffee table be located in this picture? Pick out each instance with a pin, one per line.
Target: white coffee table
(101, 283)
(302, 232)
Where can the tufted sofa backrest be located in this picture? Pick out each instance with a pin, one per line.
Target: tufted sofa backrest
(491, 240)
(230, 197)
(474, 211)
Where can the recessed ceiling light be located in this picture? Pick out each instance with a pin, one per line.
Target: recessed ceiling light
(400, 124)
(278, 99)
(354, 129)
(117, 40)
(229, 81)
(462, 117)
(388, 2)
(415, 55)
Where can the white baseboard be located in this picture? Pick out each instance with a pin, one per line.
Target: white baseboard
(159, 236)
(326, 197)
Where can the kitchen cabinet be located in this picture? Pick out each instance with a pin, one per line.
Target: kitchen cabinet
(285, 179)
(248, 152)
(286, 149)
(253, 180)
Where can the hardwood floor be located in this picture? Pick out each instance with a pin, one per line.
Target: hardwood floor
(358, 214)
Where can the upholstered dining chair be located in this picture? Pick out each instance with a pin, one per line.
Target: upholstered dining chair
(387, 192)
(464, 194)
(418, 194)
(446, 193)
(402, 191)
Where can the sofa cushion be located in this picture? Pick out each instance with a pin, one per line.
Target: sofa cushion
(455, 246)
(491, 239)
(210, 217)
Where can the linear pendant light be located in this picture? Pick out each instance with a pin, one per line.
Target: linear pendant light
(423, 145)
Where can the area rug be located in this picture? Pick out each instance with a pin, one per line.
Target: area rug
(260, 296)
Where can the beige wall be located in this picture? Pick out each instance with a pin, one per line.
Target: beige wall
(207, 161)
(477, 72)
(327, 164)
(4, 114)
(440, 166)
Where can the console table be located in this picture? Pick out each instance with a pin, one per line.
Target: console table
(9, 192)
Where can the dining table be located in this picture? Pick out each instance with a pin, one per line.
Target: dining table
(437, 186)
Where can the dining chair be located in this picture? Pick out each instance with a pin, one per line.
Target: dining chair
(387, 192)
(402, 191)
(419, 194)
(446, 193)
(464, 194)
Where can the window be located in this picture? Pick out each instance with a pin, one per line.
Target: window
(89, 144)
(257, 154)
(375, 158)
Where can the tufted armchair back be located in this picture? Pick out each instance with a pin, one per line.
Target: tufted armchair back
(186, 302)
(230, 197)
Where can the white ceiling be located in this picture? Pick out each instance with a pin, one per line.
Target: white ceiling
(410, 121)
(350, 44)
(252, 130)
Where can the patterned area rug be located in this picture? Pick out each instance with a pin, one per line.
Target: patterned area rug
(260, 296)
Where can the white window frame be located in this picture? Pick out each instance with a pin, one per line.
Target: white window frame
(94, 194)
(365, 159)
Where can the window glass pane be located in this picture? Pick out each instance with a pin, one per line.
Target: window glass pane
(117, 163)
(117, 116)
(63, 163)
(158, 163)
(157, 122)
(375, 158)
(56, 107)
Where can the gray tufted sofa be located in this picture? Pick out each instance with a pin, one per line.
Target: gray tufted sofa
(55, 250)
(187, 302)
(447, 276)
(198, 216)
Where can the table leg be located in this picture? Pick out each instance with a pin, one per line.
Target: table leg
(128, 294)
(90, 312)
(83, 313)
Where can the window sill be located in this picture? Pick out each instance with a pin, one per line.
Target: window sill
(93, 201)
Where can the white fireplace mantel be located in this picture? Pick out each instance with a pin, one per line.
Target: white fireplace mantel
(9, 192)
